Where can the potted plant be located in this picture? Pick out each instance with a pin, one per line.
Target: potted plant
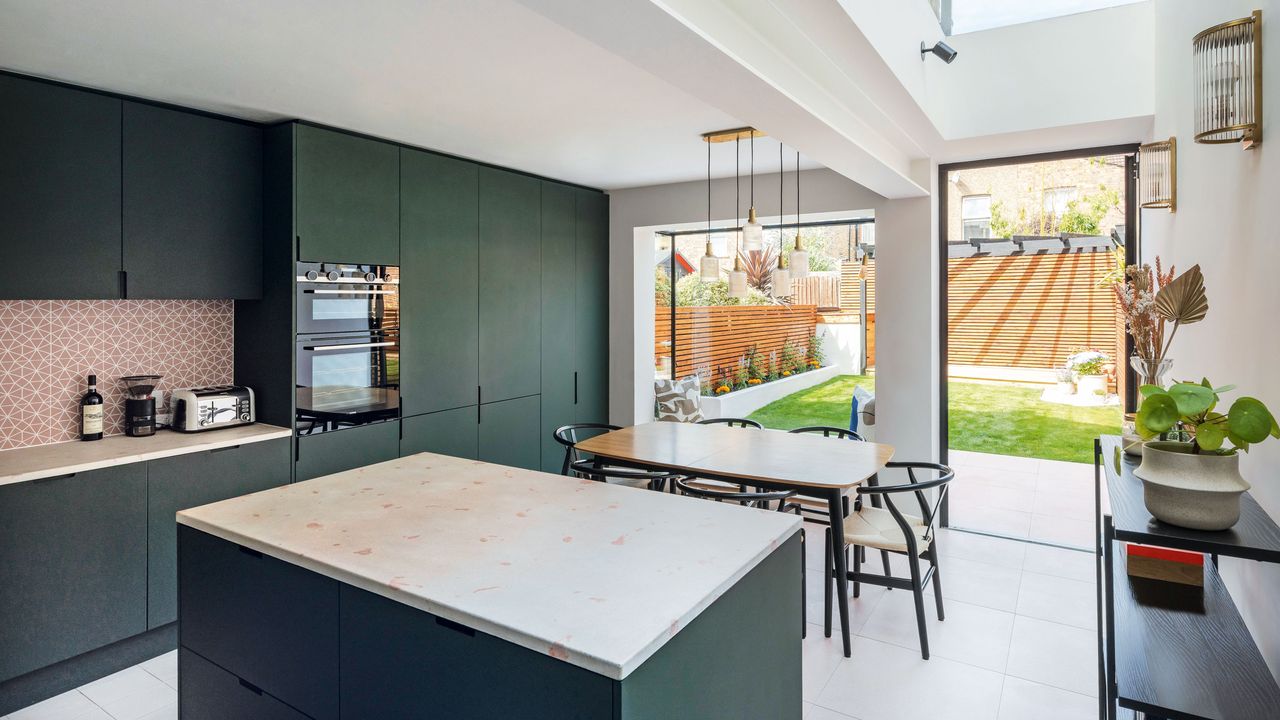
(1192, 479)
(1066, 381)
(1088, 365)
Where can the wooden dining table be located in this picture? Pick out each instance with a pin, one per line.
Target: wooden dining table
(813, 465)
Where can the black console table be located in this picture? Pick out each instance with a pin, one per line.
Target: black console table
(1166, 650)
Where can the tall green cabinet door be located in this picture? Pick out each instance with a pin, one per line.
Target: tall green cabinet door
(453, 432)
(347, 198)
(59, 192)
(509, 433)
(439, 291)
(559, 319)
(592, 306)
(510, 285)
(192, 205)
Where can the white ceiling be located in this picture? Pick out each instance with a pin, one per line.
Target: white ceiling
(486, 79)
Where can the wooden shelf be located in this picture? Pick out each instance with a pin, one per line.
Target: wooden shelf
(1255, 537)
(1181, 653)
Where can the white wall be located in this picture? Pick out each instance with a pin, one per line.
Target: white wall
(1227, 222)
(905, 339)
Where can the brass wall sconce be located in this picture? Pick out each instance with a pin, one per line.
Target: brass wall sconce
(1227, 61)
(1158, 174)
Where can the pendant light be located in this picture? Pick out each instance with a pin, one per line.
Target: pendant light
(799, 256)
(709, 266)
(780, 283)
(753, 231)
(737, 276)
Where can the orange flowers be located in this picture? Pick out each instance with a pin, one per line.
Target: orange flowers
(722, 389)
(813, 363)
(754, 381)
(786, 373)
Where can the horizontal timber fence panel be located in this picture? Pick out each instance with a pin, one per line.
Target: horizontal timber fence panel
(715, 337)
(821, 291)
(1029, 311)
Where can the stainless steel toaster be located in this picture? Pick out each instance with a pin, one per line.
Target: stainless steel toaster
(210, 408)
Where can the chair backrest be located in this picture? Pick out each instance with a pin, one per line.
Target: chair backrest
(828, 431)
(929, 512)
(571, 435)
(602, 472)
(746, 497)
(732, 422)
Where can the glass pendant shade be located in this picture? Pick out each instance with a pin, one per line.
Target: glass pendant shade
(752, 233)
(709, 266)
(799, 260)
(780, 286)
(738, 281)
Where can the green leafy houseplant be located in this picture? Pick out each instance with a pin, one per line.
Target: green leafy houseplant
(1190, 409)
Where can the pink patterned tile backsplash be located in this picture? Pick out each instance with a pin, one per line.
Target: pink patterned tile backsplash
(47, 347)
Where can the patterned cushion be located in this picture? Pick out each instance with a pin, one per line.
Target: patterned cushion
(678, 400)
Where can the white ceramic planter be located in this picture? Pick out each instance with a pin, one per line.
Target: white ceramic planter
(1089, 385)
(741, 403)
(1197, 491)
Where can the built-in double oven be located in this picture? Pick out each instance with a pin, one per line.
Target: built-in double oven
(348, 346)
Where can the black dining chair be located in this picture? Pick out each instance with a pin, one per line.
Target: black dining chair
(892, 530)
(570, 435)
(828, 431)
(732, 422)
(757, 499)
(600, 471)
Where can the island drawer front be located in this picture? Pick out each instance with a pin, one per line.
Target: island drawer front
(210, 693)
(346, 449)
(269, 622)
(401, 662)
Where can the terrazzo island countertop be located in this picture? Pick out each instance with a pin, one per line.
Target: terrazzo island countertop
(600, 576)
(43, 461)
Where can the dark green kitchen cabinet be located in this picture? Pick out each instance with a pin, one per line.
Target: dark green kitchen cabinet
(439, 292)
(453, 432)
(592, 306)
(338, 450)
(192, 205)
(510, 285)
(74, 577)
(347, 197)
(59, 192)
(510, 433)
(187, 481)
(559, 320)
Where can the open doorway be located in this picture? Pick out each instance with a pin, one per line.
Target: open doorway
(1034, 353)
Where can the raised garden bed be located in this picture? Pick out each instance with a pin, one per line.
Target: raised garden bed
(743, 402)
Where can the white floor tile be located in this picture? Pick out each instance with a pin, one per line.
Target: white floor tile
(127, 682)
(1071, 564)
(988, 519)
(1070, 602)
(991, 460)
(975, 491)
(887, 682)
(164, 667)
(820, 658)
(143, 703)
(978, 583)
(981, 548)
(1023, 699)
(1063, 531)
(168, 712)
(71, 705)
(1064, 503)
(860, 608)
(815, 712)
(971, 634)
(1054, 654)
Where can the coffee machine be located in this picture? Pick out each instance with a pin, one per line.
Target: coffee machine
(140, 405)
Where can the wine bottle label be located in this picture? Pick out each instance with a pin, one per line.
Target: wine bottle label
(92, 419)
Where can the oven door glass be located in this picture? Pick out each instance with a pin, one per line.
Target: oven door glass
(346, 381)
(349, 302)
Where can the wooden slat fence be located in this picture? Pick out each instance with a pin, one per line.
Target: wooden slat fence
(1028, 311)
(821, 291)
(716, 337)
(850, 298)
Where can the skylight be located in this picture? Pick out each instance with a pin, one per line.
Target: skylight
(965, 16)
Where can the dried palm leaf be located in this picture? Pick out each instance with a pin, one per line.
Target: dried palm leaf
(1183, 300)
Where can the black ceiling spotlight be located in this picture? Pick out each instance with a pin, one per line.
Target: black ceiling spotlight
(941, 49)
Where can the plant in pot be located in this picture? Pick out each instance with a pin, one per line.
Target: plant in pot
(1192, 477)
(1088, 367)
(1066, 381)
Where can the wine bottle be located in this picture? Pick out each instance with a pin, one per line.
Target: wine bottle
(91, 412)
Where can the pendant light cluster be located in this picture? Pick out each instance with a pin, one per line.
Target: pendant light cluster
(738, 275)
(709, 266)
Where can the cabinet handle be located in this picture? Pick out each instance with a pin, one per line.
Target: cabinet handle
(124, 285)
(250, 686)
(477, 404)
(455, 626)
(297, 247)
(575, 387)
(249, 551)
(224, 449)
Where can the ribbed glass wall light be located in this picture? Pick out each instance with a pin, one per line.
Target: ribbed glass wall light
(1158, 174)
(1227, 69)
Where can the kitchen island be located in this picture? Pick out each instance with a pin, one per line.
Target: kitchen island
(432, 586)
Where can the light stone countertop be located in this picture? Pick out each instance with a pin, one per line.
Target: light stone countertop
(600, 576)
(43, 461)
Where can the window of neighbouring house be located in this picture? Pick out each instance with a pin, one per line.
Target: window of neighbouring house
(1055, 200)
(975, 210)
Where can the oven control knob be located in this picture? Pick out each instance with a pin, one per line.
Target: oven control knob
(371, 277)
(313, 275)
(244, 417)
(333, 275)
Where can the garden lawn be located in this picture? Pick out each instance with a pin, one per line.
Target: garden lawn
(988, 418)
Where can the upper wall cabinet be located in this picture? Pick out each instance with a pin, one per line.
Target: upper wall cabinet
(59, 192)
(347, 198)
(192, 205)
(510, 285)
